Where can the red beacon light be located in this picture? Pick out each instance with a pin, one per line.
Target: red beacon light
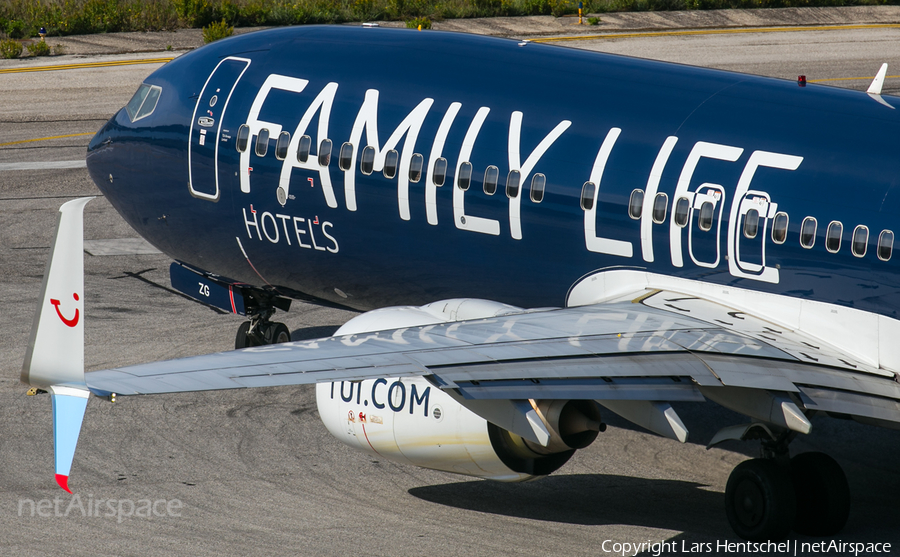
(801, 80)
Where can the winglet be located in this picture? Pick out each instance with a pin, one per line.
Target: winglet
(875, 87)
(54, 360)
(55, 353)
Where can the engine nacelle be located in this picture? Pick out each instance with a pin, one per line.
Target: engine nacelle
(410, 421)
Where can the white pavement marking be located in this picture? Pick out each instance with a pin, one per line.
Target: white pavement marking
(45, 165)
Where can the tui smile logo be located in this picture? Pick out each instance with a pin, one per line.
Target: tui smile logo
(69, 322)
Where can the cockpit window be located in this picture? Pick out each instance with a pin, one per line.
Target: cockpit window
(143, 103)
(134, 105)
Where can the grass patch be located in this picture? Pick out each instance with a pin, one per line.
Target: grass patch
(419, 23)
(38, 48)
(217, 30)
(10, 48)
(22, 18)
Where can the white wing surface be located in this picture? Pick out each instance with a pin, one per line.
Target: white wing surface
(654, 346)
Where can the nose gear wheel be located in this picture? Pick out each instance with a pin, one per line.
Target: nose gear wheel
(259, 331)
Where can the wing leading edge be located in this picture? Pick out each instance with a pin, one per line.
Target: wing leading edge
(651, 346)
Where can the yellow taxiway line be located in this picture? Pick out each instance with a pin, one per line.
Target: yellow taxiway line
(734, 31)
(87, 65)
(45, 138)
(717, 32)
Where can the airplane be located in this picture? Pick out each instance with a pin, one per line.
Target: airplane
(538, 237)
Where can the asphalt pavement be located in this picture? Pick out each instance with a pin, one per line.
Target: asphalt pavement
(254, 472)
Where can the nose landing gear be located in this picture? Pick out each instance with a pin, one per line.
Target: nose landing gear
(260, 330)
(261, 333)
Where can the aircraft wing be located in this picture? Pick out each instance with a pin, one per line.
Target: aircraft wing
(633, 354)
(650, 346)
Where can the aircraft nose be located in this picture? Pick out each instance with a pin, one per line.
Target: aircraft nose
(100, 138)
(100, 155)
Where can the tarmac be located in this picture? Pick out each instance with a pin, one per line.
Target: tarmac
(254, 472)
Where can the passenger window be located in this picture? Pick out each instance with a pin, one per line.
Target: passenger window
(636, 204)
(262, 142)
(243, 138)
(367, 160)
(415, 167)
(707, 209)
(780, 228)
(660, 208)
(465, 176)
(325, 152)
(860, 241)
(391, 158)
(833, 236)
(538, 183)
(808, 232)
(682, 212)
(885, 245)
(303, 147)
(587, 196)
(491, 175)
(281, 146)
(512, 184)
(440, 171)
(345, 157)
(751, 224)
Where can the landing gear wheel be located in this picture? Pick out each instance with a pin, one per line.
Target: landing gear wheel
(243, 339)
(823, 496)
(759, 501)
(280, 333)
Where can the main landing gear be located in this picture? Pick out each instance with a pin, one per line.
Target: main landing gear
(767, 497)
(260, 330)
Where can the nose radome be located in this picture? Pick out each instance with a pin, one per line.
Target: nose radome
(101, 138)
(99, 156)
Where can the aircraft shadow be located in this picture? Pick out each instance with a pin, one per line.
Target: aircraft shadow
(310, 333)
(591, 500)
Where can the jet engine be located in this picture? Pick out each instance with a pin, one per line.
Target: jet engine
(411, 421)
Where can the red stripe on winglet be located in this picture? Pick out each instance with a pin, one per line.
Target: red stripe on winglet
(63, 482)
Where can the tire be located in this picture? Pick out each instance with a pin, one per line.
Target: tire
(280, 333)
(823, 495)
(760, 501)
(242, 339)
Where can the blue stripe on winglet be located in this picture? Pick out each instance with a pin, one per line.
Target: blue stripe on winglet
(68, 413)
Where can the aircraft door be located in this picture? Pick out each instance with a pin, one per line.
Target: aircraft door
(755, 209)
(206, 127)
(705, 228)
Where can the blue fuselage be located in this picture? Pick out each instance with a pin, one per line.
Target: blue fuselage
(748, 147)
